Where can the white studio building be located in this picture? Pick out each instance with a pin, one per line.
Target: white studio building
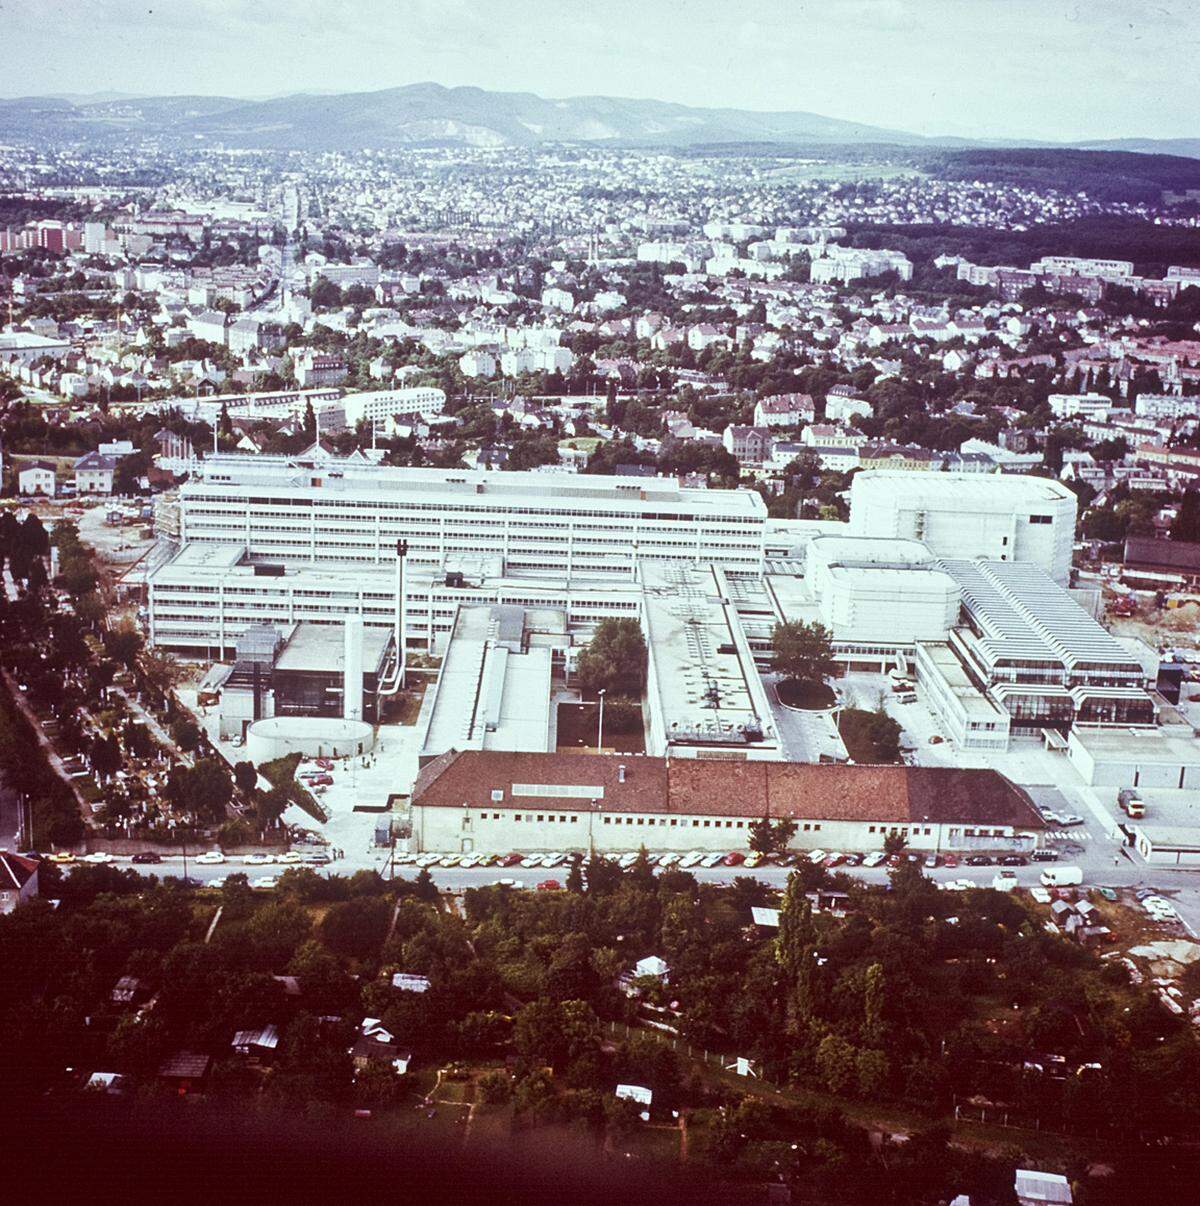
(1000, 517)
(284, 539)
(704, 696)
(349, 513)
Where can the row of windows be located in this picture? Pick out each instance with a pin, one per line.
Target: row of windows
(902, 830)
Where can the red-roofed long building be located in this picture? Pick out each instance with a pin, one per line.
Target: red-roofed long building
(18, 880)
(491, 801)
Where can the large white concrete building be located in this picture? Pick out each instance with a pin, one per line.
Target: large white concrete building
(350, 513)
(1003, 518)
(704, 696)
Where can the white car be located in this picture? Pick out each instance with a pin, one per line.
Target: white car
(817, 856)
(291, 856)
(874, 858)
(258, 860)
(210, 858)
(217, 883)
(668, 860)
(265, 882)
(532, 860)
(711, 860)
(449, 860)
(627, 859)
(691, 859)
(553, 860)
(468, 860)
(98, 857)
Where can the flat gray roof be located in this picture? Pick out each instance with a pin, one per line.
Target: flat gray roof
(321, 648)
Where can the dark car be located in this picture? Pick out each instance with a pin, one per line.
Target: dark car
(1013, 860)
(146, 856)
(979, 860)
(1044, 856)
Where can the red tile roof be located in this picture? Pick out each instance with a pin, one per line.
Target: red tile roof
(939, 795)
(15, 870)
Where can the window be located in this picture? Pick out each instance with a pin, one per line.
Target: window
(541, 817)
(517, 817)
(573, 819)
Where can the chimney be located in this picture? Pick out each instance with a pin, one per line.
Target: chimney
(621, 773)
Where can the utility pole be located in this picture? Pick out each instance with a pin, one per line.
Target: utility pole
(600, 725)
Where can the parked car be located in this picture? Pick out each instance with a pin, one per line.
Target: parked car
(549, 885)
(950, 860)
(97, 858)
(210, 858)
(532, 860)
(874, 858)
(752, 860)
(257, 859)
(1044, 856)
(833, 860)
(817, 856)
(853, 859)
(512, 860)
(931, 861)
(1013, 860)
(710, 860)
(146, 857)
(265, 883)
(318, 858)
(980, 860)
(734, 858)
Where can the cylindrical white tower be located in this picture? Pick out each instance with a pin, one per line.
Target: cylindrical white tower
(352, 682)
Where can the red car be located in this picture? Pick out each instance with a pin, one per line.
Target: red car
(949, 861)
(325, 763)
(833, 860)
(549, 885)
(511, 860)
(734, 859)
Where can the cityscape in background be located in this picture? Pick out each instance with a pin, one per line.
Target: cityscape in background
(672, 630)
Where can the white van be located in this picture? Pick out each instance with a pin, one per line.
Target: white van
(1061, 877)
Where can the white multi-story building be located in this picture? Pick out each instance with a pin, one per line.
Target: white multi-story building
(1168, 406)
(209, 594)
(353, 513)
(997, 516)
(853, 263)
(1072, 265)
(377, 406)
(1086, 406)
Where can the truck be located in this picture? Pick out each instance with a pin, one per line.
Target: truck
(1131, 803)
(1061, 877)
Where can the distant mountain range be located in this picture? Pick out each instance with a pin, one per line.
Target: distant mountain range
(432, 114)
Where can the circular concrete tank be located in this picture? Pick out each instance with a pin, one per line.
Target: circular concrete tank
(314, 736)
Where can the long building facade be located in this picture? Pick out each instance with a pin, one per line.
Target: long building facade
(352, 514)
(473, 801)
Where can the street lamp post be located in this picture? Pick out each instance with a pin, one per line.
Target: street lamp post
(600, 725)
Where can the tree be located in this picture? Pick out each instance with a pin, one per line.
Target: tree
(245, 776)
(614, 660)
(802, 651)
(767, 836)
(796, 931)
(575, 874)
(837, 1064)
(185, 732)
(894, 843)
(1186, 524)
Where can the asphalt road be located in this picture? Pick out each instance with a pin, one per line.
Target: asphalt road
(1126, 874)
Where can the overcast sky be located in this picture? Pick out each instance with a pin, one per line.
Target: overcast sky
(1052, 69)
